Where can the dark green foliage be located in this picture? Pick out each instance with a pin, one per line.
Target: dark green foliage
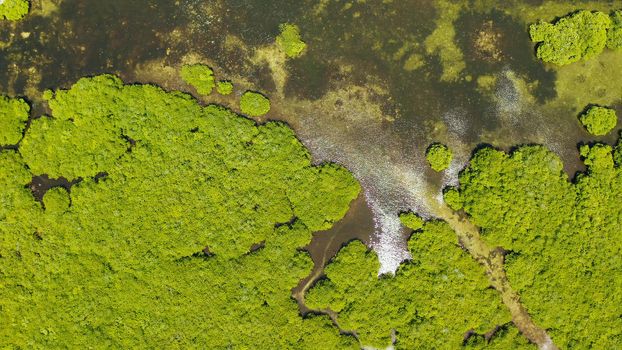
(564, 239)
(439, 156)
(431, 302)
(578, 36)
(452, 197)
(289, 40)
(14, 10)
(599, 120)
(614, 34)
(13, 116)
(200, 76)
(254, 104)
(119, 261)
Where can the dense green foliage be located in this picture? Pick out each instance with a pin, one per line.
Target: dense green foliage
(200, 76)
(614, 35)
(564, 239)
(224, 87)
(439, 156)
(411, 220)
(431, 302)
(289, 40)
(578, 36)
(599, 120)
(14, 10)
(13, 117)
(254, 104)
(451, 196)
(120, 260)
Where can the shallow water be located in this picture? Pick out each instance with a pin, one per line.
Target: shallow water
(357, 96)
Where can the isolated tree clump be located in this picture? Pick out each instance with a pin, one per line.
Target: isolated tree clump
(254, 104)
(200, 76)
(14, 10)
(580, 35)
(563, 239)
(152, 246)
(224, 87)
(439, 156)
(289, 40)
(599, 120)
(442, 290)
(13, 116)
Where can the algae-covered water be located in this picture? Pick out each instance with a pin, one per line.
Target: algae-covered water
(378, 82)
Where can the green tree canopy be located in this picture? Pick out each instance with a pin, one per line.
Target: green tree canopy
(200, 76)
(614, 34)
(14, 10)
(224, 87)
(439, 156)
(580, 35)
(156, 251)
(441, 291)
(563, 238)
(289, 40)
(254, 104)
(599, 120)
(13, 116)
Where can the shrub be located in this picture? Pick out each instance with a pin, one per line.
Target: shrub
(200, 76)
(439, 156)
(254, 104)
(224, 87)
(599, 120)
(289, 40)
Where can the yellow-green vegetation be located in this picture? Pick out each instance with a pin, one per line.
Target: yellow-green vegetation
(200, 76)
(254, 104)
(224, 87)
(442, 41)
(289, 40)
(439, 156)
(155, 252)
(599, 120)
(562, 237)
(614, 35)
(441, 291)
(14, 10)
(451, 196)
(578, 36)
(13, 117)
(411, 220)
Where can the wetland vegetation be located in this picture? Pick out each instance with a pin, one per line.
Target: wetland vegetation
(357, 181)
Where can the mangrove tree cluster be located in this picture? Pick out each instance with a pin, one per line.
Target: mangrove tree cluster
(182, 227)
(441, 299)
(562, 238)
(578, 36)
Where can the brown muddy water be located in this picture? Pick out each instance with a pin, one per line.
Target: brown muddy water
(379, 81)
